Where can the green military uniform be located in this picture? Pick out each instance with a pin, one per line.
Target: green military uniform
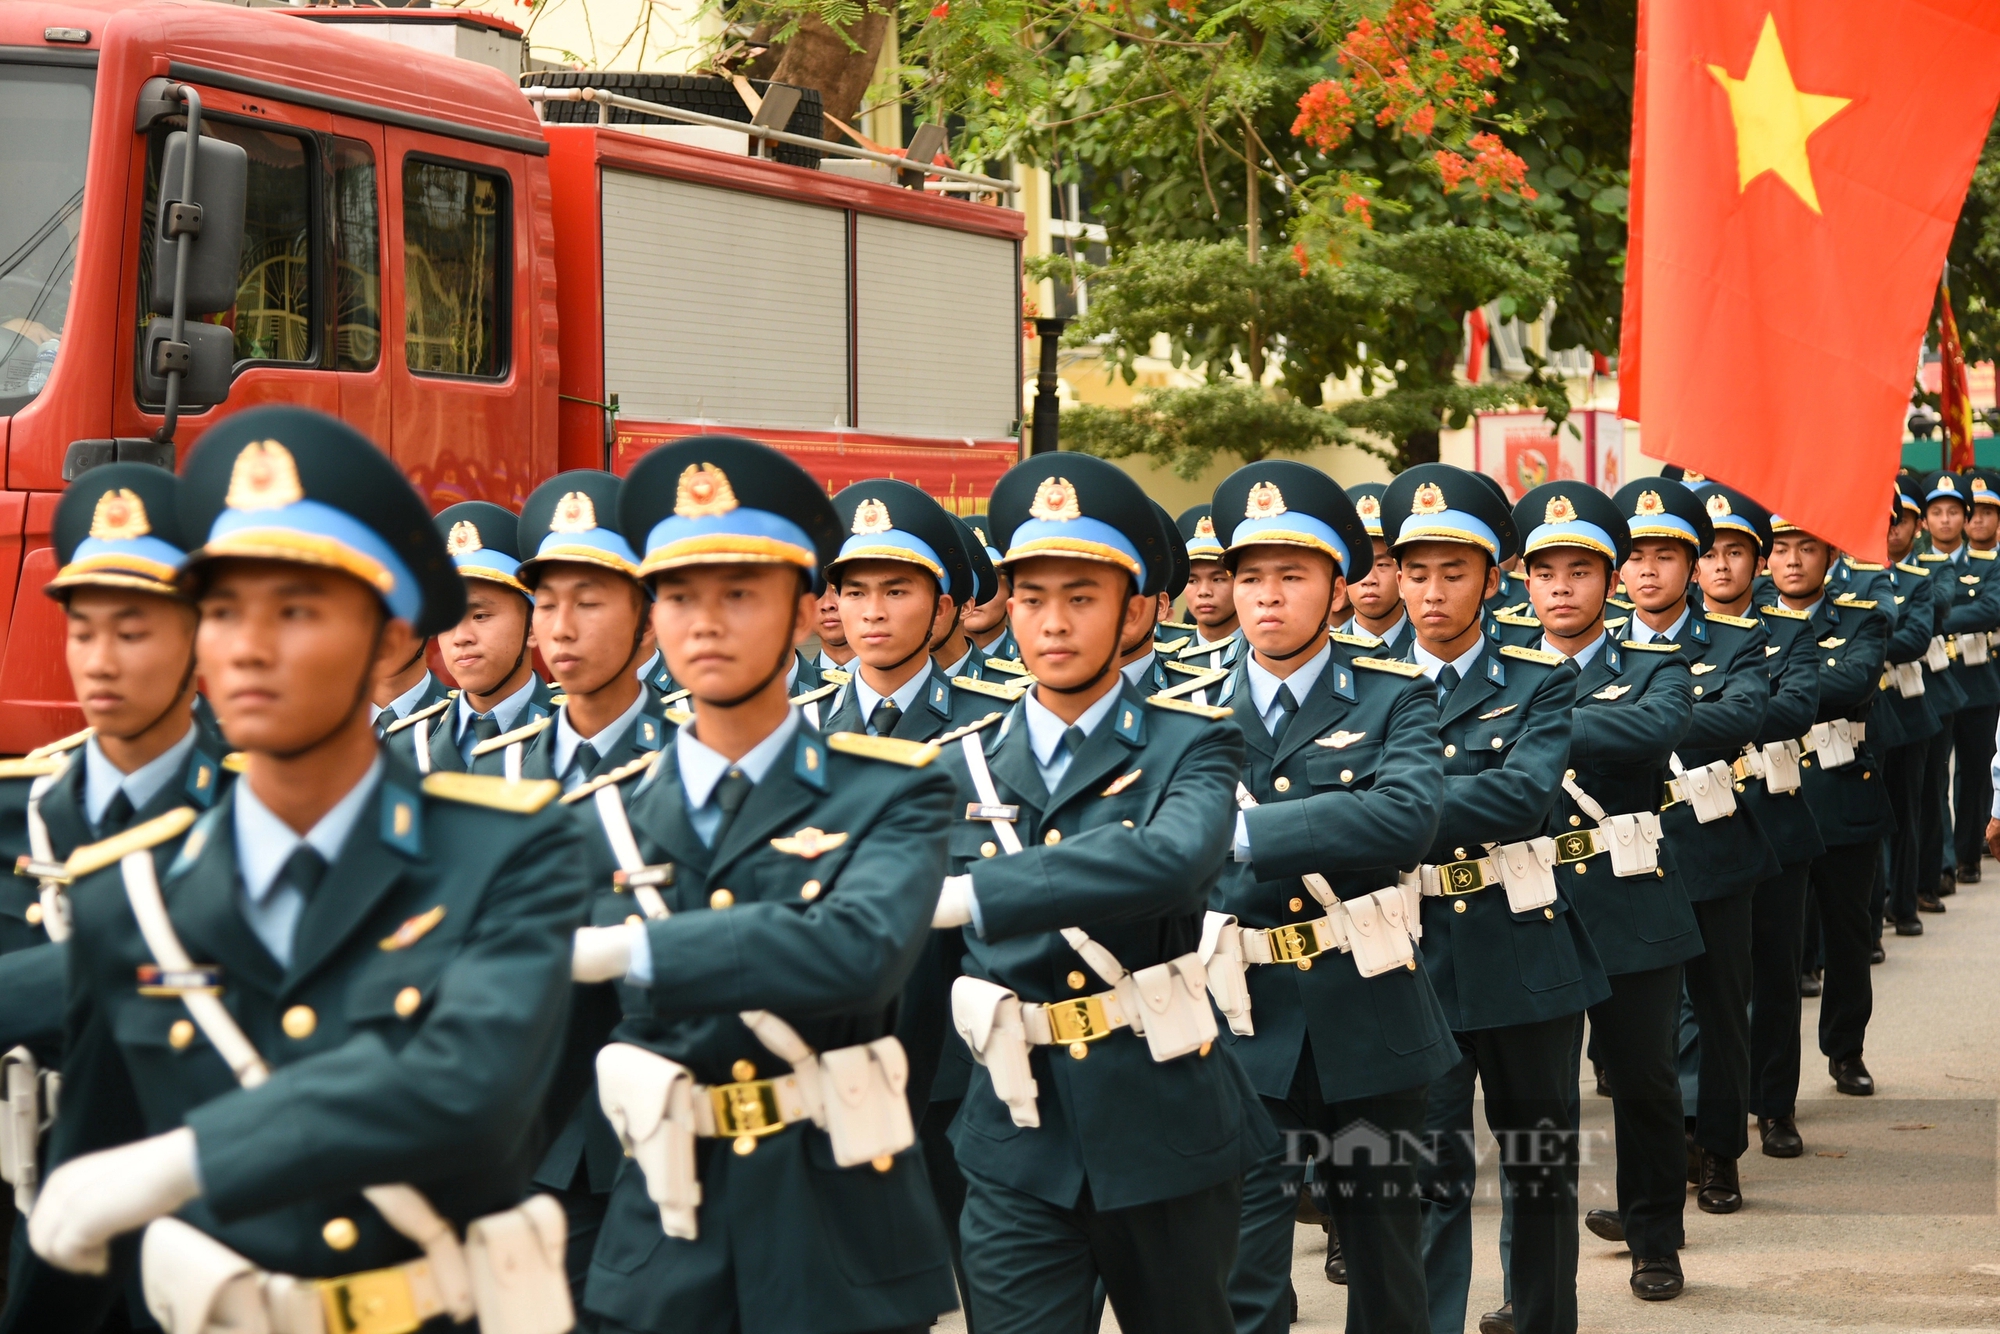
(1973, 726)
(402, 974)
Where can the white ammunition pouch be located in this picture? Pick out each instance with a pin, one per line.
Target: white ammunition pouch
(196, 1285)
(1378, 929)
(1221, 953)
(27, 1109)
(988, 1017)
(1633, 840)
(1972, 649)
(1908, 678)
(1937, 655)
(1526, 870)
(1709, 789)
(1833, 742)
(1778, 764)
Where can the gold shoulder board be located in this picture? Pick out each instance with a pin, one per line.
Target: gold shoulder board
(1933, 557)
(70, 742)
(1213, 712)
(1616, 623)
(235, 762)
(97, 856)
(506, 739)
(1849, 600)
(1509, 618)
(895, 750)
(1189, 669)
(1010, 666)
(678, 717)
(1785, 612)
(522, 796)
(968, 729)
(1977, 554)
(32, 766)
(1619, 602)
(1177, 625)
(1541, 655)
(618, 775)
(1908, 568)
(993, 688)
(835, 675)
(1651, 646)
(1356, 641)
(1740, 622)
(811, 695)
(411, 720)
(1388, 665)
(1173, 645)
(676, 696)
(1863, 565)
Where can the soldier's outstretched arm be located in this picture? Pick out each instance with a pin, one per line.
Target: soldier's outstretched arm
(1734, 708)
(1641, 733)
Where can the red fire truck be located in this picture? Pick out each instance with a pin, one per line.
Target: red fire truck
(490, 297)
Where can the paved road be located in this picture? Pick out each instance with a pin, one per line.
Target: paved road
(1888, 1223)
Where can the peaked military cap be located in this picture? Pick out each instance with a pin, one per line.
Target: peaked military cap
(1906, 493)
(119, 526)
(1179, 567)
(1940, 485)
(1654, 507)
(574, 517)
(1436, 502)
(1081, 507)
(891, 520)
(291, 484)
(1197, 530)
(1573, 514)
(982, 529)
(1685, 476)
(484, 541)
(985, 579)
(725, 500)
(1286, 503)
(1730, 511)
(1367, 498)
(1984, 486)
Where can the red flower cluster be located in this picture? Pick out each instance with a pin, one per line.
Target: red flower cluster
(1408, 70)
(1326, 116)
(1491, 168)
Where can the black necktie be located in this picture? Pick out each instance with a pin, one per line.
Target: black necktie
(728, 797)
(1073, 739)
(1448, 679)
(883, 721)
(586, 760)
(303, 870)
(484, 727)
(1288, 705)
(382, 721)
(117, 814)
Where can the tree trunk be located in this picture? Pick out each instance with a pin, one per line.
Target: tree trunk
(1421, 447)
(817, 58)
(1252, 230)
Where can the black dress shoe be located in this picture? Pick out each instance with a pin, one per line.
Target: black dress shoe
(1781, 1137)
(1336, 1263)
(1947, 884)
(1809, 985)
(1929, 903)
(1498, 1322)
(1850, 1076)
(1603, 1081)
(1294, 1293)
(1657, 1280)
(1605, 1223)
(1721, 1192)
(1876, 954)
(1910, 926)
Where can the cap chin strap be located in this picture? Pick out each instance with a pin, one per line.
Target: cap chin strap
(1313, 642)
(180, 693)
(1110, 665)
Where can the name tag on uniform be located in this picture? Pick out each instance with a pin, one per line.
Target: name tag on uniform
(975, 810)
(646, 877)
(157, 981)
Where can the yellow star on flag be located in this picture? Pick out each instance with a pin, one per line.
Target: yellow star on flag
(1773, 118)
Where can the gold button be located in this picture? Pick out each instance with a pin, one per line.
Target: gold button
(1296, 904)
(809, 890)
(1579, 868)
(1575, 820)
(1549, 913)
(1805, 764)
(743, 1071)
(1496, 743)
(407, 1001)
(1410, 964)
(1078, 1050)
(634, 920)
(1739, 787)
(1450, 751)
(299, 1022)
(1865, 774)
(883, 1163)
(1697, 690)
(1206, 1047)
(340, 1233)
(1831, 662)
(34, 914)
(1282, 783)
(744, 1146)
(1458, 905)
(1660, 872)
(721, 898)
(1569, 773)
(1305, 965)
(180, 1035)
(1075, 980)
(1458, 854)
(1127, 823)
(1347, 775)
(987, 849)
(1053, 837)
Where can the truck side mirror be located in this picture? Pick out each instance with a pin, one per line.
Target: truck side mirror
(205, 366)
(213, 219)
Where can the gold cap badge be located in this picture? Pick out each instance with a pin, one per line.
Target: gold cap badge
(1689, 477)
(574, 514)
(980, 533)
(1979, 486)
(1055, 502)
(1265, 502)
(1947, 483)
(871, 517)
(1650, 504)
(120, 516)
(704, 492)
(1718, 506)
(1429, 499)
(1369, 507)
(264, 478)
(1204, 526)
(1559, 510)
(464, 538)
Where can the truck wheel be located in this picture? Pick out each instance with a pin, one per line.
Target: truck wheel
(694, 92)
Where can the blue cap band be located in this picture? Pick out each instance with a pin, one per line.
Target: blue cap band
(1449, 526)
(1575, 533)
(1083, 539)
(892, 545)
(1291, 529)
(1663, 525)
(308, 532)
(743, 536)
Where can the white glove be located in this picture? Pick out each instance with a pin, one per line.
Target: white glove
(602, 953)
(954, 905)
(99, 1196)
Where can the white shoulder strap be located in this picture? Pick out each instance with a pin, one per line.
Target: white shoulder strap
(510, 760)
(1583, 799)
(420, 740)
(982, 783)
(624, 847)
(55, 899)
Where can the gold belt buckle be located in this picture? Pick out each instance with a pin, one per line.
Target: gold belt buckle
(375, 1301)
(1461, 878)
(1080, 1020)
(746, 1110)
(1672, 795)
(1289, 944)
(1577, 845)
(1741, 768)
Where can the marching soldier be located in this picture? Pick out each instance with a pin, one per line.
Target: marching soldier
(328, 1104)
(834, 654)
(1145, 663)
(955, 654)
(775, 888)
(1104, 1136)
(1973, 726)
(591, 625)
(1509, 960)
(1377, 597)
(1211, 609)
(987, 622)
(491, 652)
(1913, 698)
(1340, 783)
(405, 690)
(1633, 701)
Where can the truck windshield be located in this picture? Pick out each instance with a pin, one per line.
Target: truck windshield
(42, 160)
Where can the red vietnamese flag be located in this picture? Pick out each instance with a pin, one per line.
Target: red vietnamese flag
(1797, 169)
(1954, 397)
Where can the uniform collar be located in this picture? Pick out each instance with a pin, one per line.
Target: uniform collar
(568, 738)
(403, 703)
(866, 697)
(1588, 652)
(1433, 664)
(1264, 685)
(1045, 729)
(503, 713)
(958, 668)
(102, 779)
(1646, 634)
(701, 768)
(1141, 667)
(264, 842)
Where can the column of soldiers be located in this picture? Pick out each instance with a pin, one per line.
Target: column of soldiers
(990, 956)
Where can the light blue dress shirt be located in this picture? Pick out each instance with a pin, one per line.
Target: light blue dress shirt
(264, 843)
(866, 697)
(649, 668)
(403, 703)
(1585, 654)
(505, 713)
(1137, 670)
(1433, 664)
(1264, 699)
(568, 739)
(1045, 734)
(101, 778)
(1641, 633)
